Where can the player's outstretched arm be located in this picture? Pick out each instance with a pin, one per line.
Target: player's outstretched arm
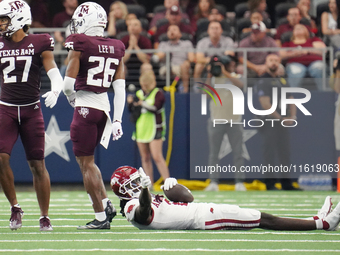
(143, 213)
(54, 76)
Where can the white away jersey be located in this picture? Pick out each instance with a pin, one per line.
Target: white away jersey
(209, 216)
(170, 215)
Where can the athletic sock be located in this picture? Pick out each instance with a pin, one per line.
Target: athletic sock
(321, 224)
(100, 216)
(104, 201)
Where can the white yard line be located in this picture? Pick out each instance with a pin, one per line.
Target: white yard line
(169, 250)
(174, 240)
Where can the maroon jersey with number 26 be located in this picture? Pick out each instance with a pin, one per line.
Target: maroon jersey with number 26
(99, 60)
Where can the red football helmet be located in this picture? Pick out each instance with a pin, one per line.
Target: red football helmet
(125, 182)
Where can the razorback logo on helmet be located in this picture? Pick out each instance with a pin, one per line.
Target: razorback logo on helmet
(130, 208)
(16, 5)
(114, 180)
(84, 9)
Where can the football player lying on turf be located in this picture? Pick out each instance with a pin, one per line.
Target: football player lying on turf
(148, 211)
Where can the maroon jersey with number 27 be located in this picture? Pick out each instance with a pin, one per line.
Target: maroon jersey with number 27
(20, 64)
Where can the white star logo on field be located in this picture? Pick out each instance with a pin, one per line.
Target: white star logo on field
(226, 147)
(55, 140)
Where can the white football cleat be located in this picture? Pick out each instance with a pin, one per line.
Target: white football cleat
(325, 209)
(333, 219)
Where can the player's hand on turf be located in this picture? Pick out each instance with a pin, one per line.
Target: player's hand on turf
(117, 130)
(51, 98)
(169, 183)
(72, 99)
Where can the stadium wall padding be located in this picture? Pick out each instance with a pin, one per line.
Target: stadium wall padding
(312, 142)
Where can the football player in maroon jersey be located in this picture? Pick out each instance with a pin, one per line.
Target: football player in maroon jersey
(95, 63)
(21, 57)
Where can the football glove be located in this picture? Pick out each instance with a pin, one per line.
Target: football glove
(169, 183)
(145, 182)
(72, 99)
(51, 98)
(144, 179)
(117, 130)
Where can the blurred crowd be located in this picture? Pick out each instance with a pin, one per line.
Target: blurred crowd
(198, 26)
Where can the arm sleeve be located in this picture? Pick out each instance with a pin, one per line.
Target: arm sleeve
(56, 79)
(119, 99)
(68, 87)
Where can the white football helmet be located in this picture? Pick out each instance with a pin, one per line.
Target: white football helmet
(18, 12)
(86, 16)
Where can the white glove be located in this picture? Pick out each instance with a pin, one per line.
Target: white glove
(117, 130)
(72, 99)
(51, 98)
(145, 182)
(144, 179)
(169, 183)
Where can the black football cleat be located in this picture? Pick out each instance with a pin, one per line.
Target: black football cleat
(96, 224)
(110, 211)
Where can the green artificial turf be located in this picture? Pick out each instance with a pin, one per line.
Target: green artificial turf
(68, 209)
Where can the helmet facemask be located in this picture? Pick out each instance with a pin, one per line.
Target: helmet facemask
(131, 187)
(5, 23)
(125, 183)
(89, 18)
(19, 14)
(75, 24)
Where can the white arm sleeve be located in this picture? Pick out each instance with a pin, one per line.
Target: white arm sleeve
(68, 87)
(119, 99)
(56, 79)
